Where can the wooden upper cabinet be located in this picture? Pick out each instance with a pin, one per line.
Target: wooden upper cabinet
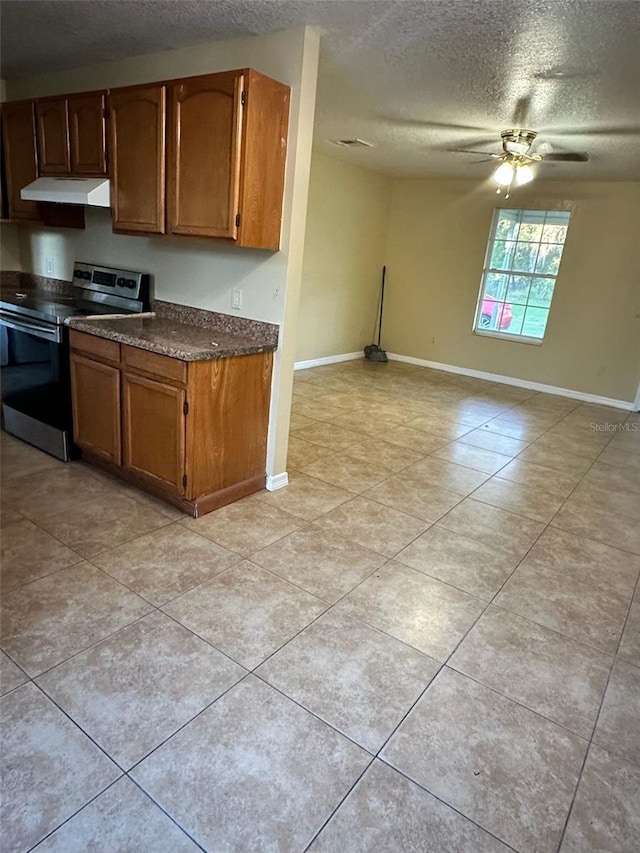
(21, 161)
(264, 154)
(137, 119)
(54, 155)
(87, 134)
(221, 175)
(71, 135)
(204, 155)
(226, 158)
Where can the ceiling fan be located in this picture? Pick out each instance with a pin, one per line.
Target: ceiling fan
(517, 158)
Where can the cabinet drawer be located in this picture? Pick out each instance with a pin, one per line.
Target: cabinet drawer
(157, 365)
(98, 347)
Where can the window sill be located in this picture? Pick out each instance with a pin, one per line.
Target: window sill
(519, 339)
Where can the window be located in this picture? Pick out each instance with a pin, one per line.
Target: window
(519, 277)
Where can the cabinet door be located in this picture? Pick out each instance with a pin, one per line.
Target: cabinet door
(264, 153)
(87, 134)
(21, 162)
(204, 155)
(95, 390)
(137, 158)
(154, 430)
(53, 137)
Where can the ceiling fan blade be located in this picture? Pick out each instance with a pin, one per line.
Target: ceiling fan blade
(591, 131)
(471, 151)
(521, 111)
(436, 125)
(567, 157)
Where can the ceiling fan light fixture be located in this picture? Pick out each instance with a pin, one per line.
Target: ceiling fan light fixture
(517, 141)
(515, 147)
(503, 175)
(524, 174)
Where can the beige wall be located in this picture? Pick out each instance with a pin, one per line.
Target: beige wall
(193, 271)
(343, 256)
(437, 237)
(10, 246)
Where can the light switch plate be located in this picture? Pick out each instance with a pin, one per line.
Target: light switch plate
(236, 298)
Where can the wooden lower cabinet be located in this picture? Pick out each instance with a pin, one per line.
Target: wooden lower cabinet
(153, 430)
(96, 407)
(193, 433)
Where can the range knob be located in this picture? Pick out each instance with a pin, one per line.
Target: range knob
(130, 283)
(121, 282)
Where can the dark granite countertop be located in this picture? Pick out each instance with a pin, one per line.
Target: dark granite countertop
(179, 331)
(12, 281)
(189, 334)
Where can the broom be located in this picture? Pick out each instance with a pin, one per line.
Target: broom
(374, 352)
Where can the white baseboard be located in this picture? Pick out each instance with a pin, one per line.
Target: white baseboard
(329, 359)
(519, 383)
(277, 481)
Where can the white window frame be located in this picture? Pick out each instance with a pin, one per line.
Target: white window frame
(486, 270)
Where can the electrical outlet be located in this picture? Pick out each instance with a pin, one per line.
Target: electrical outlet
(236, 299)
(49, 266)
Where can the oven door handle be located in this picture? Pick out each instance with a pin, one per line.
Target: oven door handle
(44, 331)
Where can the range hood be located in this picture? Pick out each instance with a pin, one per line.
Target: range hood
(90, 191)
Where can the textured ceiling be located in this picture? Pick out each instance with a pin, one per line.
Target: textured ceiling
(413, 78)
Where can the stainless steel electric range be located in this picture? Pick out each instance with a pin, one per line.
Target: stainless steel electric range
(36, 384)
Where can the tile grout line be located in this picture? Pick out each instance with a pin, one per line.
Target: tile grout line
(334, 811)
(445, 803)
(167, 813)
(71, 816)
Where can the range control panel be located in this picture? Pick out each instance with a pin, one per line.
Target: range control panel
(124, 283)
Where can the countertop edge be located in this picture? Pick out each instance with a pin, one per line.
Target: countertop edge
(91, 327)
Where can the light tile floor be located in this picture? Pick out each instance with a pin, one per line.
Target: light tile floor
(430, 641)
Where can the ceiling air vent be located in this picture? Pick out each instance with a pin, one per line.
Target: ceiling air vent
(352, 143)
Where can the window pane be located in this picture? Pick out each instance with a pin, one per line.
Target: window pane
(496, 285)
(535, 322)
(502, 255)
(554, 233)
(507, 227)
(504, 317)
(530, 233)
(517, 316)
(533, 217)
(541, 292)
(494, 316)
(518, 289)
(549, 259)
(525, 257)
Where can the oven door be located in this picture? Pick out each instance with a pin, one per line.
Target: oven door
(36, 386)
